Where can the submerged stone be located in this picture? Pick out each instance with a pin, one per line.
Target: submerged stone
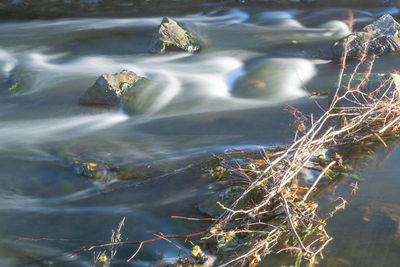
(369, 83)
(20, 80)
(104, 171)
(274, 78)
(255, 83)
(380, 37)
(172, 36)
(114, 90)
(99, 171)
(211, 207)
(375, 222)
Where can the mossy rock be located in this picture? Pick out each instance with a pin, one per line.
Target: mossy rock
(116, 89)
(99, 171)
(172, 36)
(103, 170)
(380, 37)
(20, 80)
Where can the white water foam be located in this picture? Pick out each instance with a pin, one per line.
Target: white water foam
(274, 16)
(7, 62)
(189, 84)
(285, 78)
(182, 79)
(210, 76)
(40, 131)
(233, 16)
(295, 73)
(335, 28)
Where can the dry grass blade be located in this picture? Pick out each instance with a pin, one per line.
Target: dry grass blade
(136, 252)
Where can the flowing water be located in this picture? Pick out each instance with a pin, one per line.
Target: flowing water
(193, 112)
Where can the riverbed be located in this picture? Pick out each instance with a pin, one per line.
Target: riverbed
(195, 113)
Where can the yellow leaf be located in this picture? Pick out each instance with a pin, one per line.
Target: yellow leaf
(213, 230)
(252, 166)
(196, 251)
(256, 259)
(304, 189)
(260, 162)
(92, 164)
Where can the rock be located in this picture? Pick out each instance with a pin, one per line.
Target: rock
(392, 210)
(171, 36)
(20, 80)
(273, 78)
(138, 100)
(114, 90)
(227, 196)
(380, 37)
(104, 171)
(374, 81)
(210, 205)
(256, 82)
(376, 221)
(98, 171)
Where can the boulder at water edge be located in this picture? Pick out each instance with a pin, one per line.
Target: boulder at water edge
(380, 37)
(171, 36)
(114, 90)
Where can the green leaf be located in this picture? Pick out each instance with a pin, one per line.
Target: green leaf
(220, 243)
(357, 177)
(298, 259)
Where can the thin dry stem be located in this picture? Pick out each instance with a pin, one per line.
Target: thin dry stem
(362, 115)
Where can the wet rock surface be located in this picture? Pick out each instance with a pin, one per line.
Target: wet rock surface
(172, 36)
(20, 80)
(372, 81)
(258, 82)
(376, 83)
(105, 171)
(226, 197)
(100, 171)
(380, 37)
(114, 89)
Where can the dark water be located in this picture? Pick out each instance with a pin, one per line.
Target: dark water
(367, 231)
(192, 114)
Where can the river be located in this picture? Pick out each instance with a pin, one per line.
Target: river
(193, 114)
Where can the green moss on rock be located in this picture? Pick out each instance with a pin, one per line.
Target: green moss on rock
(116, 89)
(172, 36)
(19, 81)
(380, 37)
